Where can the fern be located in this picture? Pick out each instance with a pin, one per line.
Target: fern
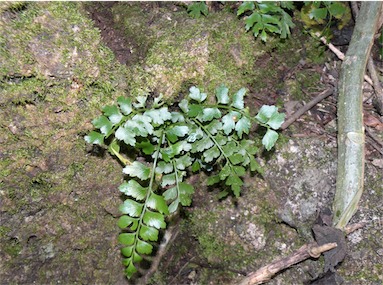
(267, 17)
(197, 135)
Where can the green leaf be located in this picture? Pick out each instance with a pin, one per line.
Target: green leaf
(276, 120)
(255, 166)
(174, 205)
(318, 14)
(148, 233)
(141, 101)
(229, 148)
(196, 166)
(134, 189)
(225, 171)
(168, 179)
(239, 170)
(154, 219)
(180, 146)
(222, 194)
(157, 102)
(184, 105)
(170, 194)
(126, 221)
(243, 126)
(177, 117)
(235, 182)
(236, 158)
(286, 24)
(272, 28)
(130, 270)
(214, 127)
(211, 180)
(195, 134)
(269, 139)
(159, 116)
(103, 124)
(94, 138)
(136, 257)
(257, 27)
(132, 208)
(196, 95)
(177, 131)
(183, 162)
(127, 251)
(157, 202)
(337, 9)
(125, 135)
(137, 169)
(146, 146)
(113, 114)
(140, 125)
(125, 105)
(209, 114)
(245, 6)
(263, 36)
(126, 238)
(229, 122)
(201, 145)
(265, 113)
(185, 193)
(266, 7)
(270, 19)
(249, 146)
(197, 9)
(222, 93)
(164, 167)
(195, 110)
(211, 154)
(255, 17)
(143, 247)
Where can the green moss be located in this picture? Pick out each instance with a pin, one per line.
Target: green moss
(12, 247)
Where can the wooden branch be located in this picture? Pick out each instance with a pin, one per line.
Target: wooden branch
(307, 107)
(311, 250)
(265, 273)
(339, 54)
(351, 140)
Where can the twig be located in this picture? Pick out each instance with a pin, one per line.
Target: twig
(339, 54)
(265, 273)
(307, 107)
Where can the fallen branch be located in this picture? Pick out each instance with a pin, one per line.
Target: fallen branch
(311, 250)
(339, 54)
(307, 107)
(265, 273)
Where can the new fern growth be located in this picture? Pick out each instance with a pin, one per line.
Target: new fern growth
(196, 135)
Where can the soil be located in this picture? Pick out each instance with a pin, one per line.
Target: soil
(33, 237)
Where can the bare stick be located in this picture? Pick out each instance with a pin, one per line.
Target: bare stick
(267, 272)
(307, 107)
(339, 54)
(313, 250)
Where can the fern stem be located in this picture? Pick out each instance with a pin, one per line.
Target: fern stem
(150, 191)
